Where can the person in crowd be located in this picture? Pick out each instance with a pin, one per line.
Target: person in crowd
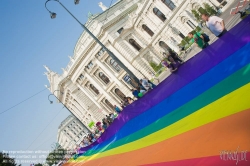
(169, 65)
(198, 39)
(215, 24)
(125, 102)
(76, 150)
(122, 105)
(175, 56)
(99, 127)
(117, 109)
(106, 121)
(141, 90)
(86, 141)
(146, 84)
(153, 85)
(110, 120)
(135, 93)
(92, 137)
(112, 116)
(104, 125)
(130, 100)
(141, 86)
(97, 134)
(89, 139)
(82, 145)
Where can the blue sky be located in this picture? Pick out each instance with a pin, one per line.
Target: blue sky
(30, 39)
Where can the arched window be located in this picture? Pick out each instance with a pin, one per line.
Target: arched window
(159, 14)
(181, 35)
(164, 46)
(135, 44)
(191, 24)
(104, 78)
(130, 81)
(119, 93)
(115, 65)
(149, 31)
(94, 89)
(109, 104)
(169, 4)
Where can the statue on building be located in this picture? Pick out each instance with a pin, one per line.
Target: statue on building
(173, 29)
(90, 15)
(47, 68)
(102, 6)
(190, 15)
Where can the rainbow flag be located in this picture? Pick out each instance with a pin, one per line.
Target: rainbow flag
(198, 116)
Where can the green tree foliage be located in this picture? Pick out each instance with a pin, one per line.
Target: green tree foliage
(209, 9)
(155, 66)
(196, 15)
(185, 41)
(55, 156)
(202, 11)
(39, 164)
(198, 29)
(5, 160)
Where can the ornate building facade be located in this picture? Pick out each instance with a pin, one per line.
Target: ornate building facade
(70, 132)
(137, 32)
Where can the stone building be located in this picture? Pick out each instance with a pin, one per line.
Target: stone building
(70, 132)
(137, 32)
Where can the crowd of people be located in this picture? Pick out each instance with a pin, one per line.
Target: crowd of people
(171, 61)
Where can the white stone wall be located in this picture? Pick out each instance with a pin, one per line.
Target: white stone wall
(70, 132)
(130, 15)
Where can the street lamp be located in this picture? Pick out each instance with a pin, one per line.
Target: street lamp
(53, 15)
(51, 102)
(76, 2)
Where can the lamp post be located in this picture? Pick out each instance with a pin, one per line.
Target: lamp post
(51, 102)
(53, 15)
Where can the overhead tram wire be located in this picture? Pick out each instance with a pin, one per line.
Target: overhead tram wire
(44, 142)
(23, 101)
(45, 128)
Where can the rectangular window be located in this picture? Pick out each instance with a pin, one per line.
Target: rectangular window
(81, 76)
(90, 65)
(101, 52)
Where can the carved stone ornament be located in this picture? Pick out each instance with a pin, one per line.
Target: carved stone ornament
(102, 6)
(190, 15)
(183, 19)
(129, 37)
(131, 20)
(148, 57)
(139, 26)
(150, 9)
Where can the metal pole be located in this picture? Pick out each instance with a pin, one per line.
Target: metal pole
(68, 109)
(98, 41)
